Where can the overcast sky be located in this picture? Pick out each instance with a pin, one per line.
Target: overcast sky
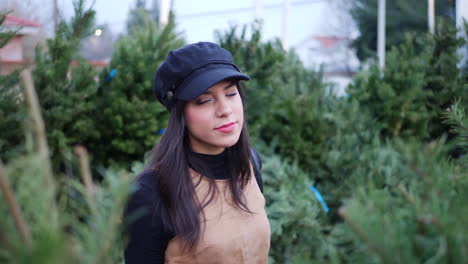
(199, 19)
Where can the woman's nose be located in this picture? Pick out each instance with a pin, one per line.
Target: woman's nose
(224, 108)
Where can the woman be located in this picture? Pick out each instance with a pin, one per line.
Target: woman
(200, 200)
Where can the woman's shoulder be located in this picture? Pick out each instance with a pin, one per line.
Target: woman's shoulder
(257, 167)
(146, 197)
(146, 222)
(145, 193)
(256, 159)
(146, 180)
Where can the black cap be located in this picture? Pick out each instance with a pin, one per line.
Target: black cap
(189, 71)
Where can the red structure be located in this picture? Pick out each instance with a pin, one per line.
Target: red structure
(12, 54)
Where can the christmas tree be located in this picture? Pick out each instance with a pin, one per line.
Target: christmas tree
(47, 219)
(65, 85)
(403, 16)
(128, 116)
(11, 106)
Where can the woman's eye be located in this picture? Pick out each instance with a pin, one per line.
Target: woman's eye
(202, 101)
(232, 94)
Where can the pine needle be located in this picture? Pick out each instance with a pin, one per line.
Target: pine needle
(15, 209)
(38, 123)
(360, 232)
(85, 172)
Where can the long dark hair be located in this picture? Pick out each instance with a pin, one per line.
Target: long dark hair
(170, 162)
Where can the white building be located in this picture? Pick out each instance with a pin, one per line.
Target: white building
(334, 55)
(311, 28)
(16, 53)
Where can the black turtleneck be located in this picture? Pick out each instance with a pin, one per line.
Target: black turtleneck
(212, 166)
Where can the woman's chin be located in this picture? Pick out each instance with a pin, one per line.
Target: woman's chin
(229, 142)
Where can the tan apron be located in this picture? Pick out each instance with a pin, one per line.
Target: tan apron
(231, 235)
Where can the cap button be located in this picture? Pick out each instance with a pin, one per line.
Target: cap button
(169, 95)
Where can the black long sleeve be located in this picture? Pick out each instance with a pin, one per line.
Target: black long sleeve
(147, 237)
(257, 165)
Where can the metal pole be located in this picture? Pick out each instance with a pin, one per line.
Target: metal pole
(461, 11)
(258, 9)
(381, 34)
(55, 16)
(164, 12)
(284, 37)
(431, 16)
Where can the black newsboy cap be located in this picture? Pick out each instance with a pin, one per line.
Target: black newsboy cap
(189, 71)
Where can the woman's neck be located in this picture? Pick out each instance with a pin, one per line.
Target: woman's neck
(210, 165)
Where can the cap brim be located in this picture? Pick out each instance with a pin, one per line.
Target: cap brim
(191, 88)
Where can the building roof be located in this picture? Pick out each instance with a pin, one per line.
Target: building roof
(328, 41)
(19, 22)
(332, 52)
(322, 41)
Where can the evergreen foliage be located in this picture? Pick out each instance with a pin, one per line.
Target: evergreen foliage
(402, 16)
(138, 17)
(446, 81)
(70, 229)
(396, 97)
(129, 117)
(348, 152)
(5, 35)
(422, 213)
(293, 218)
(13, 117)
(410, 97)
(261, 61)
(74, 223)
(298, 124)
(65, 85)
(384, 155)
(296, 96)
(11, 109)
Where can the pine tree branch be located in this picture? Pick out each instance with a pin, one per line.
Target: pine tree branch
(85, 173)
(38, 124)
(110, 232)
(376, 249)
(408, 197)
(405, 193)
(15, 209)
(426, 179)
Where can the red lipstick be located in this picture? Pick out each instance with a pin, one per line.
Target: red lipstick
(227, 127)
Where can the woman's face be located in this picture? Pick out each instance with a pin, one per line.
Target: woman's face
(214, 119)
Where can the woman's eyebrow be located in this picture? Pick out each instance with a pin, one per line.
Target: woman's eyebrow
(225, 88)
(230, 85)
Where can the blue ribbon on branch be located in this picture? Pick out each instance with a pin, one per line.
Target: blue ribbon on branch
(161, 131)
(319, 198)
